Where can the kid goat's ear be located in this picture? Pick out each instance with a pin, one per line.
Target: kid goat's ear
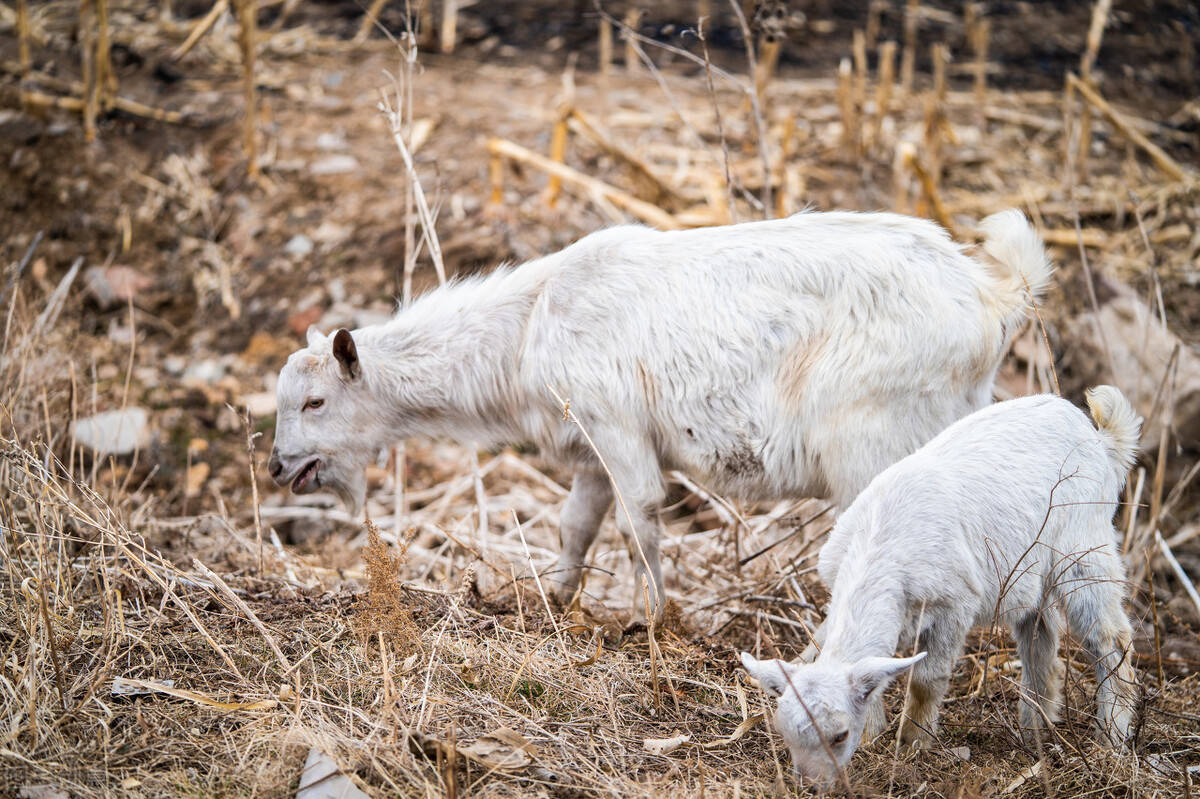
(346, 353)
(771, 674)
(874, 672)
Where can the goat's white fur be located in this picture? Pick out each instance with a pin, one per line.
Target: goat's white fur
(1005, 516)
(774, 359)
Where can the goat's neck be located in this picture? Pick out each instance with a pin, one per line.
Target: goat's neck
(866, 613)
(451, 374)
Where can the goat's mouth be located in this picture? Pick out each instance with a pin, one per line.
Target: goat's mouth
(309, 477)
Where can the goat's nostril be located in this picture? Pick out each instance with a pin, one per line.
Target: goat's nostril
(274, 465)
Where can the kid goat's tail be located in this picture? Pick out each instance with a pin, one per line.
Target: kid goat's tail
(1118, 423)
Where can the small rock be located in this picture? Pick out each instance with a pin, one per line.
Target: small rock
(19, 127)
(333, 79)
(207, 371)
(332, 234)
(961, 752)
(121, 334)
(46, 791)
(331, 141)
(175, 364)
(114, 432)
(298, 322)
(337, 290)
(261, 404)
(115, 284)
(334, 165)
(299, 244)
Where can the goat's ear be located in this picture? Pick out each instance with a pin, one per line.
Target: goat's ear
(346, 353)
(869, 674)
(315, 337)
(772, 675)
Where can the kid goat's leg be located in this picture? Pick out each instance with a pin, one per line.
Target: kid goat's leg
(1041, 670)
(1093, 595)
(590, 498)
(944, 642)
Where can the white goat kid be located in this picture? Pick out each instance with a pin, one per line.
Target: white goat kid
(768, 360)
(1006, 516)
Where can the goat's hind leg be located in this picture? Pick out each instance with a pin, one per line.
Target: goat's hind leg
(1093, 599)
(1041, 670)
(590, 498)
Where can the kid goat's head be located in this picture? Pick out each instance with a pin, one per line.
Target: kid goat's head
(822, 707)
(326, 429)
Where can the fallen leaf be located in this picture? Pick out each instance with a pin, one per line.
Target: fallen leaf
(421, 130)
(1023, 777)
(501, 748)
(664, 746)
(197, 473)
(130, 783)
(122, 686)
(741, 730)
(322, 779)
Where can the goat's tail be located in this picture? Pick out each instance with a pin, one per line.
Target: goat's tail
(1118, 423)
(1017, 249)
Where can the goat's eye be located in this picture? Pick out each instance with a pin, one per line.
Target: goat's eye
(314, 403)
(841, 737)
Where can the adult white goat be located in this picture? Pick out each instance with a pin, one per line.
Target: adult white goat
(1006, 516)
(794, 357)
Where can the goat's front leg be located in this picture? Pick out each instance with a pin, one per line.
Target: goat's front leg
(639, 525)
(943, 641)
(639, 488)
(590, 498)
(814, 646)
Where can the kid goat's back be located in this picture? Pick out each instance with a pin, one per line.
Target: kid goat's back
(1006, 516)
(768, 360)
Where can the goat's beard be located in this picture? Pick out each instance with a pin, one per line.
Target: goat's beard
(353, 494)
(349, 482)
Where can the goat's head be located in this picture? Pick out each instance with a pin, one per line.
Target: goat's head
(822, 707)
(327, 429)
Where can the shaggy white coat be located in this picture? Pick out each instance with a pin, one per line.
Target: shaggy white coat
(768, 360)
(1005, 516)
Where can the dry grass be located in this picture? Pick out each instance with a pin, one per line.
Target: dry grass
(456, 683)
(430, 667)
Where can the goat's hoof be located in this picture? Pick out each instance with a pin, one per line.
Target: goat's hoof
(1035, 735)
(914, 737)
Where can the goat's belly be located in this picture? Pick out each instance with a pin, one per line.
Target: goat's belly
(742, 474)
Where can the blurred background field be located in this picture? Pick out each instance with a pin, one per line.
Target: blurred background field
(186, 186)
